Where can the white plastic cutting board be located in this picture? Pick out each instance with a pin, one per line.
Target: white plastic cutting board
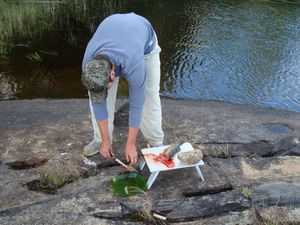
(157, 166)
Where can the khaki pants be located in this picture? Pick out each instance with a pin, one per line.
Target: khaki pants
(151, 125)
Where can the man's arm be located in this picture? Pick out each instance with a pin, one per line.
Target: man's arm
(130, 152)
(106, 146)
(100, 111)
(136, 86)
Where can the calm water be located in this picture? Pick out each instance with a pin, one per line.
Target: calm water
(239, 51)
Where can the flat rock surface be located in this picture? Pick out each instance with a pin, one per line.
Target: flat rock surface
(241, 171)
(252, 165)
(42, 128)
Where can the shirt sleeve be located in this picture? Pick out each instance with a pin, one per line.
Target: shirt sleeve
(100, 110)
(136, 85)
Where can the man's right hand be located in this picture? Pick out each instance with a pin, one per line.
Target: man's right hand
(106, 150)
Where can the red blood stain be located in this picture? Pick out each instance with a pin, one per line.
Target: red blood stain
(162, 158)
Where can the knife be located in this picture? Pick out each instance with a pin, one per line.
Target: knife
(129, 168)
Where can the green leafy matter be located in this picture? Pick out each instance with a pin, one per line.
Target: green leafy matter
(128, 184)
(247, 192)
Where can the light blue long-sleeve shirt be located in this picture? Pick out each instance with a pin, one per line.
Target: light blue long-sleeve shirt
(125, 39)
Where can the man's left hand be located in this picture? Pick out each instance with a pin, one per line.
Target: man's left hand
(131, 154)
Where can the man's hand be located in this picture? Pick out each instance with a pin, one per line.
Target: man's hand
(106, 150)
(131, 154)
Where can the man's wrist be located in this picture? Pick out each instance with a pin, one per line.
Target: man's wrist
(130, 144)
(132, 135)
(105, 141)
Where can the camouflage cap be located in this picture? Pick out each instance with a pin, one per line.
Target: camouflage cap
(95, 78)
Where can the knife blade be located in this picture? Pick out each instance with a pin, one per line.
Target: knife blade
(129, 168)
(121, 163)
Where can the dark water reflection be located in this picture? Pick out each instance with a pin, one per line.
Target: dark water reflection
(237, 51)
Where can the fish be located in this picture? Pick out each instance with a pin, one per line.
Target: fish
(171, 151)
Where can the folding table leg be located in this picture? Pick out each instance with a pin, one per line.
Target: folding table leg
(199, 172)
(142, 164)
(151, 179)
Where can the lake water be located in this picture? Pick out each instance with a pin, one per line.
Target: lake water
(241, 51)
